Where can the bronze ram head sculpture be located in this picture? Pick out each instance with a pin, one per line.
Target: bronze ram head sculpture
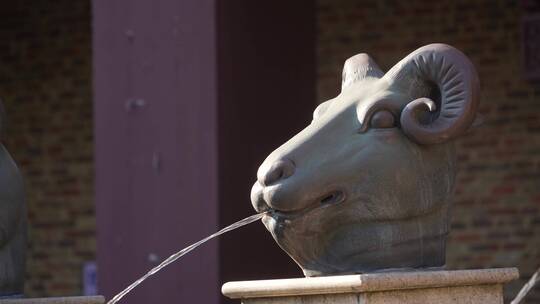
(367, 185)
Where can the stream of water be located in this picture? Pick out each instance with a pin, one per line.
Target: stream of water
(179, 254)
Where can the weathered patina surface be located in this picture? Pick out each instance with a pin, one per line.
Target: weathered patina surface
(12, 223)
(367, 185)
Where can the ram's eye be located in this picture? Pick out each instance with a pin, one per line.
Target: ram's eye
(382, 119)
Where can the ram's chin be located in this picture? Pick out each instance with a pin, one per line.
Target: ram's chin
(275, 224)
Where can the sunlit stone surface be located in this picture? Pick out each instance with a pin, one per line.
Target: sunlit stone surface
(443, 287)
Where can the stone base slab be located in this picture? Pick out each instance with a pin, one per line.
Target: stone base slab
(439, 286)
(57, 300)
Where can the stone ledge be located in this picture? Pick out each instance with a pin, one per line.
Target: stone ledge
(366, 283)
(58, 300)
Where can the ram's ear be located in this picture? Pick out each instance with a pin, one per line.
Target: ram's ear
(357, 68)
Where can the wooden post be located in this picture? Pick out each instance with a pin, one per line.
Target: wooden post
(155, 146)
(190, 96)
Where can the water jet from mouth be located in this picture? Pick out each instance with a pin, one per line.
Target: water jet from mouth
(179, 254)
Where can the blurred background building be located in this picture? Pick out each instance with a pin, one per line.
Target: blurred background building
(139, 126)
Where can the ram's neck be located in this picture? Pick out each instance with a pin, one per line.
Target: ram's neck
(414, 243)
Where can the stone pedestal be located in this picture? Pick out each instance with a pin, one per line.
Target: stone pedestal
(443, 287)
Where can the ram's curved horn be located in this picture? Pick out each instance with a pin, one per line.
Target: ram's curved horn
(359, 67)
(441, 80)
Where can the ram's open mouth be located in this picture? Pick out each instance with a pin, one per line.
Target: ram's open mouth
(334, 197)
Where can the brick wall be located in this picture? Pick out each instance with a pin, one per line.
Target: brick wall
(45, 84)
(496, 219)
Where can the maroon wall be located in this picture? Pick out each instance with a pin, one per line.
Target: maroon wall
(223, 84)
(156, 172)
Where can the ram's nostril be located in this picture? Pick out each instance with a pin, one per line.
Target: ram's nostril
(257, 199)
(280, 170)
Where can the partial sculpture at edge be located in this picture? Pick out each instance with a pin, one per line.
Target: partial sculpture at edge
(367, 185)
(12, 223)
